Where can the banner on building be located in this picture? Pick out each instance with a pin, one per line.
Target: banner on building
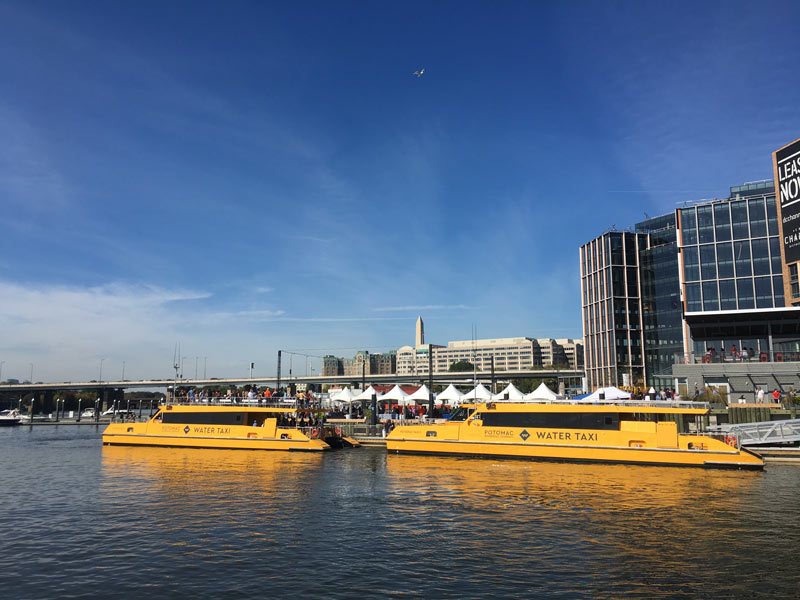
(786, 162)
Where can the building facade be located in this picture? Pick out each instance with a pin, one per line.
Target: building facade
(704, 283)
(508, 354)
(362, 363)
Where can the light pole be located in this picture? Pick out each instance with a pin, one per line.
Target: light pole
(31, 380)
(123, 370)
(183, 358)
(101, 371)
(205, 364)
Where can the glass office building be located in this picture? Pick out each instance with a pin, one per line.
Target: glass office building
(612, 315)
(685, 287)
(732, 280)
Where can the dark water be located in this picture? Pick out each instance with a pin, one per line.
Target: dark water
(78, 520)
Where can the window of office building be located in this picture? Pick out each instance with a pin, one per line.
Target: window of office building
(722, 219)
(693, 299)
(777, 287)
(614, 246)
(758, 219)
(772, 217)
(775, 254)
(705, 225)
(744, 292)
(739, 220)
(741, 253)
(725, 260)
(691, 264)
(708, 262)
(761, 265)
(710, 299)
(763, 292)
(727, 294)
(688, 226)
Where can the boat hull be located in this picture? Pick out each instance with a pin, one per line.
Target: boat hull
(639, 456)
(228, 438)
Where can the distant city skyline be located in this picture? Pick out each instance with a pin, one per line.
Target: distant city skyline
(273, 176)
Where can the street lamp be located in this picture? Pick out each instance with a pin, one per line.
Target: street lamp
(100, 380)
(31, 379)
(183, 358)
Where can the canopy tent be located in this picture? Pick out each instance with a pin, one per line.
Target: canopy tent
(541, 393)
(366, 394)
(479, 393)
(345, 395)
(396, 393)
(449, 395)
(511, 391)
(609, 393)
(421, 395)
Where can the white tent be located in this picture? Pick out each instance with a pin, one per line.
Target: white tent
(396, 393)
(421, 395)
(541, 393)
(479, 393)
(513, 393)
(610, 393)
(367, 394)
(449, 395)
(345, 395)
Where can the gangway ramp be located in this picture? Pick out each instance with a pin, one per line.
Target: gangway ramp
(763, 432)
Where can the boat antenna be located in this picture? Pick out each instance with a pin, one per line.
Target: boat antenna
(176, 367)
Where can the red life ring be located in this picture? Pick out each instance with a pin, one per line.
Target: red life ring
(731, 441)
(314, 433)
(338, 431)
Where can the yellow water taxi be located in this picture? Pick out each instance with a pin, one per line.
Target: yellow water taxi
(643, 433)
(231, 426)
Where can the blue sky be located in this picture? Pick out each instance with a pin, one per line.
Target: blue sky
(241, 177)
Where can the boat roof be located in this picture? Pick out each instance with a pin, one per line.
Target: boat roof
(619, 406)
(232, 408)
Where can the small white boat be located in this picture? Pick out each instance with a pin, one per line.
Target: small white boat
(9, 418)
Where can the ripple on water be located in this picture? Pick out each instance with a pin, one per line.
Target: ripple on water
(208, 524)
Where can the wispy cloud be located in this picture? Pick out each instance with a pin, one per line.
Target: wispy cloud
(333, 319)
(422, 307)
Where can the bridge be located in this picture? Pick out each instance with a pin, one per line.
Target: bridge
(461, 378)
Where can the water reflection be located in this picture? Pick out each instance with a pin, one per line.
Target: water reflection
(361, 523)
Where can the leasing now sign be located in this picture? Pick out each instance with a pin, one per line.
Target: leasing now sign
(786, 162)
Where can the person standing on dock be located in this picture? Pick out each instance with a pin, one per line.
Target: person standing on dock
(760, 395)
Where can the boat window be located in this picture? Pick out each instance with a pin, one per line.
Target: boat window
(462, 413)
(205, 418)
(550, 420)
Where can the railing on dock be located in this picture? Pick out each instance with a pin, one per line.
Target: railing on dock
(761, 433)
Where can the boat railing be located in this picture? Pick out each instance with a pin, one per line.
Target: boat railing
(620, 402)
(289, 402)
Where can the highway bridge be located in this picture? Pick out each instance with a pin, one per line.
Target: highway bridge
(463, 379)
